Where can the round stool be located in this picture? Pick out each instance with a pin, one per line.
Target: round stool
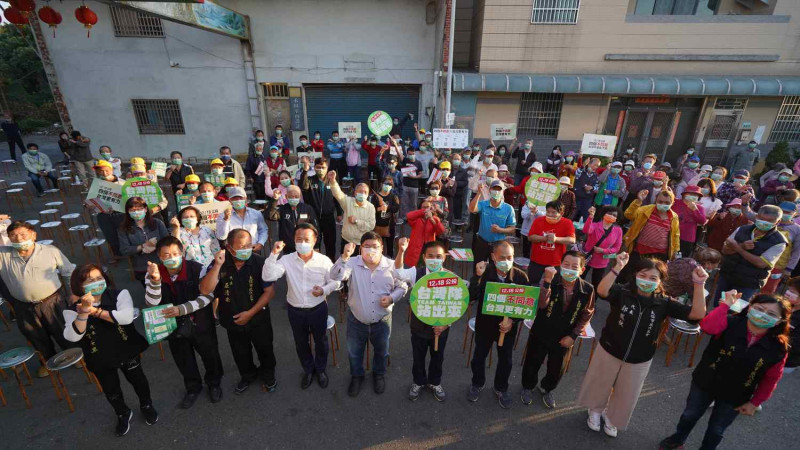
(587, 333)
(24, 186)
(9, 166)
(399, 222)
(96, 244)
(459, 223)
(49, 215)
(455, 239)
(61, 206)
(81, 234)
(528, 324)
(471, 331)
(34, 222)
(522, 263)
(333, 337)
(679, 328)
(136, 313)
(65, 173)
(3, 184)
(68, 218)
(16, 194)
(45, 242)
(49, 230)
(515, 241)
(56, 192)
(61, 361)
(3, 316)
(64, 182)
(12, 359)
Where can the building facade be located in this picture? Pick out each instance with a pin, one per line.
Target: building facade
(662, 75)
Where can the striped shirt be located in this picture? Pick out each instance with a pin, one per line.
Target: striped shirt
(654, 237)
(152, 295)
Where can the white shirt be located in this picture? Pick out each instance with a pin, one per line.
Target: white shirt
(368, 286)
(253, 222)
(301, 277)
(711, 207)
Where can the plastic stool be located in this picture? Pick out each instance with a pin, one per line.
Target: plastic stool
(12, 359)
(63, 360)
(587, 333)
(49, 215)
(679, 328)
(471, 329)
(9, 166)
(16, 194)
(61, 206)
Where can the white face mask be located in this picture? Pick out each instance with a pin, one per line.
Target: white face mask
(303, 248)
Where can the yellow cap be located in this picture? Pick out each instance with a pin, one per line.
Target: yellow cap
(192, 178)
(217, 161)
(137, 160)
(230, 180)
(103, 163)
(138, 168)
(445, 165)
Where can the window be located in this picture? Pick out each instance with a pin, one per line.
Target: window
(131, 23)
(539, 115)
(676, 7)
(787, 124)
(276, 90)
(555, 11)
(158, 116)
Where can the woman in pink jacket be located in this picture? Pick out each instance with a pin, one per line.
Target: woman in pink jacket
(599, 249)
(692, 215)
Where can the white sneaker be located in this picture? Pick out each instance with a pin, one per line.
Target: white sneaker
(593, 421)
(608, 428)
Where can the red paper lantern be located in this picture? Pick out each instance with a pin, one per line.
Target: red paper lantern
(87, 17)
(14, 16)
(51, 17)
(25, 7)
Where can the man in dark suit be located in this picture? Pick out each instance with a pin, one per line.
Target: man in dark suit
(488, 328)
(317, 194)
(525, 157)
(289, 215)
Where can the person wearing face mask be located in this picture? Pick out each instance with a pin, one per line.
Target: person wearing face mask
(317, 194)
(110, 221)
(63, 145)
(191, 187)
(479, 168)
(305, 145)
(751, 252)
(255, 160)
(105, 153)
(387, 205)
(138, 234)
(554, 161)
(426, 224)
(603, 241)
(525, 156)
(309, 284)
(112, 342)
(373, 149)
(586, 188)
(737, 188)
(196, 332)
(257, 138)
(611, 186)
(198, 240)
(692, 215)
(500, 269)
(688, 172)
(739, 369)
(290, 215)
(787, 262)
(279, 136)
(273, 166)
(449, 187)
(335, 152)
(317, 143)
(620, 364)
(424, 156)
(566, 305)
(628, 154)
(549, 237)
(39, 167)
(277, 195)
(176, 172)
(358, 212)
(389, 167)
(228, 185)
(31, 273)
(412, 174)
(745, 158)
(231, 167)
(239, 215)
(709, 201)
(206, 193)
(497, 219)
(423, 337)
(398, 124)
(792, 295)
(372, 292)
(658, 182)
(627, 170)
(459, 186)
(641, 178)
(438, 202)
(654, 230)
(678, 283)
(686, 157)
(570, 166)
(81, 155)
(723, 224)
(771, 189)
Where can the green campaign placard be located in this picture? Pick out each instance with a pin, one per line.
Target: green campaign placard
(380, 123)
(144, 188)
(542, 188)
(156, 326)
(510, 300)
(439, 298)
(183, 200)
(216, 180)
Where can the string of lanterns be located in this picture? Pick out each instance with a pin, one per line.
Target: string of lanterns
(20, 11)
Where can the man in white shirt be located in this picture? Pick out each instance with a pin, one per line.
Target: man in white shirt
(309, 284)
(242, 217)
(372, 292)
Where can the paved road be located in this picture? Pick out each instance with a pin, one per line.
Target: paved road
(293, 418)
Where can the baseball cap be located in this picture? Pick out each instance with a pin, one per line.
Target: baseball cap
(217, 162)
(616, 164)
(735, 202)
(231, 180)
(237, 192)
(103, 163)
(630, 163)
(706, 168)
(694, 190)
(742, 173)
(788, 206)
(138, 168)
(137, 160)
(445, 165)
(496, 183)
(192, 178)
(694, 158)
(665, 164)
(488, 152)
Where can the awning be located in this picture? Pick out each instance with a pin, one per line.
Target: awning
(620, 84)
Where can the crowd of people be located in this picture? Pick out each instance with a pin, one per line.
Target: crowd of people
(656, 242)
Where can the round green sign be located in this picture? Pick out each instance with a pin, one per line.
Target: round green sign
(380, 123)
(439, 298)
(542, 188)
(144, 188)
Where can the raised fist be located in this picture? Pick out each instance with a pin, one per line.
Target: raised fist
(402, 244)
(219, 257)
(349, 248)
(278, 247)
(549, 273)
(152, 271)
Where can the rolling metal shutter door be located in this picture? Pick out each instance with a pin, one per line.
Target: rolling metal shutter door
(329, 104)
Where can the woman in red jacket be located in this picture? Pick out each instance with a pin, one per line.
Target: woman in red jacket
(425, 226)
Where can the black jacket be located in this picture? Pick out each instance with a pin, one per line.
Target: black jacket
(552, 323)
(412, 182)
(488, 327)
(523, 163)
(319, 196)
(182, 291)
(631, 330)
(794, 341)
(734, 267)
(238, 290)
(288, 219)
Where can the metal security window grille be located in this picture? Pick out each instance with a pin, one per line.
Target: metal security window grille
(276, 90)
(158, 116)
(731, 103)
(787, 124)
(539, 115)
(555, 11)
(130, 23)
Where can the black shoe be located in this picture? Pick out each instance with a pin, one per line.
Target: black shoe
(150, 414)
(215, 394)
(124, 423)
(355, 386)
(216, 321)
(188, 400)
(241, 386)
(322, 378)
(379, 383)
(306, 381)
(270, 386)
(669, 444)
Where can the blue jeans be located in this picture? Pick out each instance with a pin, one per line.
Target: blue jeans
(722, 415)
(357, 336)
(37, 182)
(582, 208)
(724, 285)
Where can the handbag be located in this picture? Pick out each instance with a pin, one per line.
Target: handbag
(185, 328)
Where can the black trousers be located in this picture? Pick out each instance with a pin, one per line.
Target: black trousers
(457, 208)
(258, 189)
(340, 166)
(109, 224)
(259, 337)
(12, 142)
(42, 323)
(480, 250)
(535, 272)
(109, 380)
(686, 248)
(314, 322)
(505, 357)
(388, 246)
(420, 347)
(327, 226)
(535, 353)
(183, 352)
(595, 277)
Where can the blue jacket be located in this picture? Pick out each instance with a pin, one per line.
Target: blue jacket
(397, 177)
(336, 150)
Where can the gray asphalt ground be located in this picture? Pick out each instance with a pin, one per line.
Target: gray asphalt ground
(316, 418)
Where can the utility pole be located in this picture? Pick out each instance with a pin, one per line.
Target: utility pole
(449, 94)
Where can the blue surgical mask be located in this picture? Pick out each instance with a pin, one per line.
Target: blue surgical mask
(751, 145)
(96, 288)
(293, 201)
(386, 188)
(434, 265)
(172, 263)
(763, 225)
(24, 245)
(761, 319)
(646, 285)
(238, 204)
(783, 179)
(716, 176)
(33, 152)
(663, 208)
(412, 157)
(138, 214)
(303, 248)
(208, 197)
(360, 197)
(191, 187)
(497, 195)
(225, 157)
(189, 223)
(647, 165)
(504, 266)
(569, 274)
(243, 254)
